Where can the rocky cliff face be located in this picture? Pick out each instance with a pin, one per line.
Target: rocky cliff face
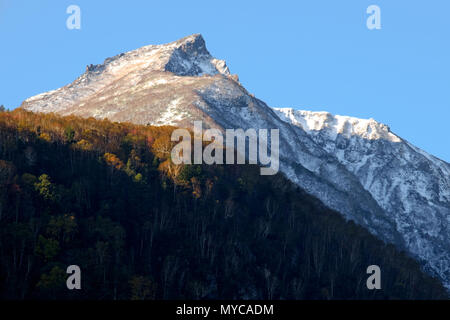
(411, 186)
(357, 167)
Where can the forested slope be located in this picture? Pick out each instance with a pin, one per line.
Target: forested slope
(105, 196)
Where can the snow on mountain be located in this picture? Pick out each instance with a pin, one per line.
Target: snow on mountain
(109, 90)
(337, 125)
(357, 167)
(411, 186)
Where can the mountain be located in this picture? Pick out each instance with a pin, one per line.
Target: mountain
(410, 185)
(357, 167)
(153, 84)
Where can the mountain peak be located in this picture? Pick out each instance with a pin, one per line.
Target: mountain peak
(194, 43)
(190, 57)
(141, 69)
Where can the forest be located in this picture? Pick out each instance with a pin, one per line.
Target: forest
(105, 196)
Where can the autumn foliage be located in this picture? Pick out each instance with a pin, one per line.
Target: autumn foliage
(106, 197)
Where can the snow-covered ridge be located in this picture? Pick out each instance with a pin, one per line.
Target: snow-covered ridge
(337, 125)
(412, 186)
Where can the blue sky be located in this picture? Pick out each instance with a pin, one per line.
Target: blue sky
(314, 55)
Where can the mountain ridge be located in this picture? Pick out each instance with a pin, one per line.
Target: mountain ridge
(357, 167)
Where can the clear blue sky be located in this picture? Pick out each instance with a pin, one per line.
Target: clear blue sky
(314, 55)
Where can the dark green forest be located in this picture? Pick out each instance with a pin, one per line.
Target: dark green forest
(106, 197)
